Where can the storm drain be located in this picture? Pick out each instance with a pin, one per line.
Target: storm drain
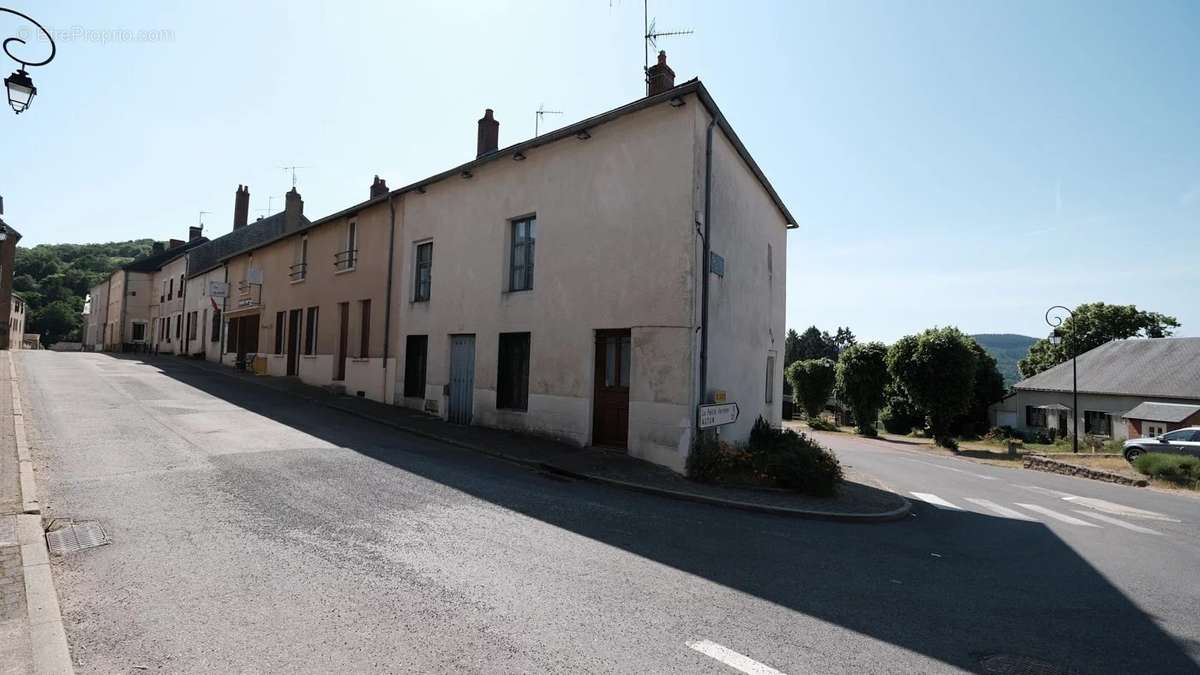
(1013, 664)
(71, 537)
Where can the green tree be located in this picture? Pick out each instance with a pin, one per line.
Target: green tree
(899, 415)
(989, 388)
(936, 368)
(812, 383)
(862, 374)
(56, 322)
(1092, 325)
(791, 348)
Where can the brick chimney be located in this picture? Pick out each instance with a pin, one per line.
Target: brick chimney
(195, 232)
(660, 76)
(241, 207)
(489, 134)
(174, 243)
(378, 188)
(293, 208)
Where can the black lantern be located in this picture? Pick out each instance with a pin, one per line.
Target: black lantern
(19, 85)
(20, 90)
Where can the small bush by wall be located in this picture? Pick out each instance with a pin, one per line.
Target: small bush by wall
(1178, 468)
(773, 457)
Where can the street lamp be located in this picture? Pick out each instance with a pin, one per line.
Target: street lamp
(19, 85)
(1056, 337)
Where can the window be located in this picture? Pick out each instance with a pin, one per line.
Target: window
(616, 362)
(416, 352)
(178, 326)
(163, 297)
(424, 269)
(1035, 417)
(280, 319)
(216, 326)
(347, 259)
(1179, 436)
(364, 347)
(310, 332)
(181, 285)
(512, 381)
(770, 377)
(299, 270)
(1097, 423)
(193, 320)
(520, 266)
(139, 332)
(171, 289)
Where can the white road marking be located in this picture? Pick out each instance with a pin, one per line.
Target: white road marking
(1117, 509)
(950, 468)
(1001, 510)
(1056, 515)
(935, 500)
(1118, 523)
(732, 659)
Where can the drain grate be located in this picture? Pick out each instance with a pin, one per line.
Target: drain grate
(74, 537)
(1013, 664)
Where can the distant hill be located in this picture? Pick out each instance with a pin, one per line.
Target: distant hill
(1007, 349)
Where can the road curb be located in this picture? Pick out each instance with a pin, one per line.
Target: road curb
(837, 516)
(47, 634)
(898, 513)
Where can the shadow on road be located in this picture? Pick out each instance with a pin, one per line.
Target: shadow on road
(955, 586)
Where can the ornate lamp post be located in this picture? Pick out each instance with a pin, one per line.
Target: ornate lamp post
(1056, 323)
(19, 85)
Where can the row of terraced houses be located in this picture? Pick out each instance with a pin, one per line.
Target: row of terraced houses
(593, 284)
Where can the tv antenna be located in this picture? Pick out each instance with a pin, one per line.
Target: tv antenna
(270, 200)
(652, 35)
(293, 170)
(542, 112)
(201, 221)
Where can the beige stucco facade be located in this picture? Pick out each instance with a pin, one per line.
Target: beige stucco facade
(16, 322)
(1014, 410)
(617, 213)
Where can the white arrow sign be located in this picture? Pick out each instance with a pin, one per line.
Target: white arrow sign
(718, 414)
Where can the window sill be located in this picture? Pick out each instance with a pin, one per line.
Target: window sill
(513, 291)
(297, 281)
(309, 357)
(421, 301)
(345, 271)
(513, 411)
(360, 360)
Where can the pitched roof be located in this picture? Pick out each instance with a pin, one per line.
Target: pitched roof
(156, 261)
(1162, 412)
(689, 87)
(252, 236)
(1152, 367)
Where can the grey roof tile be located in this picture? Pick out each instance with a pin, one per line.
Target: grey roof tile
(1152, 367)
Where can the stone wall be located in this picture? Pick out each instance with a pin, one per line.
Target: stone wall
(1042, 463)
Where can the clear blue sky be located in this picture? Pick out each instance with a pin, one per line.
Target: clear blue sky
(954, 163)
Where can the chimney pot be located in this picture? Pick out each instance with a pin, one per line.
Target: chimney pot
(489, 134)
(241, 206)
(660, 77)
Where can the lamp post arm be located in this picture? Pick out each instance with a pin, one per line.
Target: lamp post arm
(49, 38)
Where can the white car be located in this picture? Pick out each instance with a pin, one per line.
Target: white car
(1184, 441)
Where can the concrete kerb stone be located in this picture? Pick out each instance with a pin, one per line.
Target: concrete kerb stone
(48, 635)
(881, 517)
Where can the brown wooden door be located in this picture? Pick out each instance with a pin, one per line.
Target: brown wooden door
(293, 343)
(610, 412)
(343, 338)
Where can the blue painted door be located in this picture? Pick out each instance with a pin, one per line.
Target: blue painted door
(462, 378)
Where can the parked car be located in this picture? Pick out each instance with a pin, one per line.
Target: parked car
(1184, 441)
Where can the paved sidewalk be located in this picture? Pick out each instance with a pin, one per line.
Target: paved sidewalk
(861, 498)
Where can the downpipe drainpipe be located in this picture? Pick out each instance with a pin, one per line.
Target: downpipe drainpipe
(704, 269)
(387, 307)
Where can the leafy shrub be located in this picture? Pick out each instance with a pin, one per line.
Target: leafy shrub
(862, 379)
(1178, 468)
(821, 424)
(899, 415)
(774, 457)
(1003, 434)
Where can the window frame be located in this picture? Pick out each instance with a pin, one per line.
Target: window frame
(526, 244)
(299, 270)
(770, 396)
(312, 319)
(133, 336)
(1090, 417)
(280, 322)
(364, 337)
(422, 291)
(346, 260)
(512, 371)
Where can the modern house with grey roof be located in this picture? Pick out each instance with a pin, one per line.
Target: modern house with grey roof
(1127, 388)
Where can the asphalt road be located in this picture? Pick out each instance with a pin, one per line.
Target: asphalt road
(254, 532)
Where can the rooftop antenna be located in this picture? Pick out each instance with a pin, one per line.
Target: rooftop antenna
(652, 35)
(541, 112)
(201, 220)
(293, 170)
